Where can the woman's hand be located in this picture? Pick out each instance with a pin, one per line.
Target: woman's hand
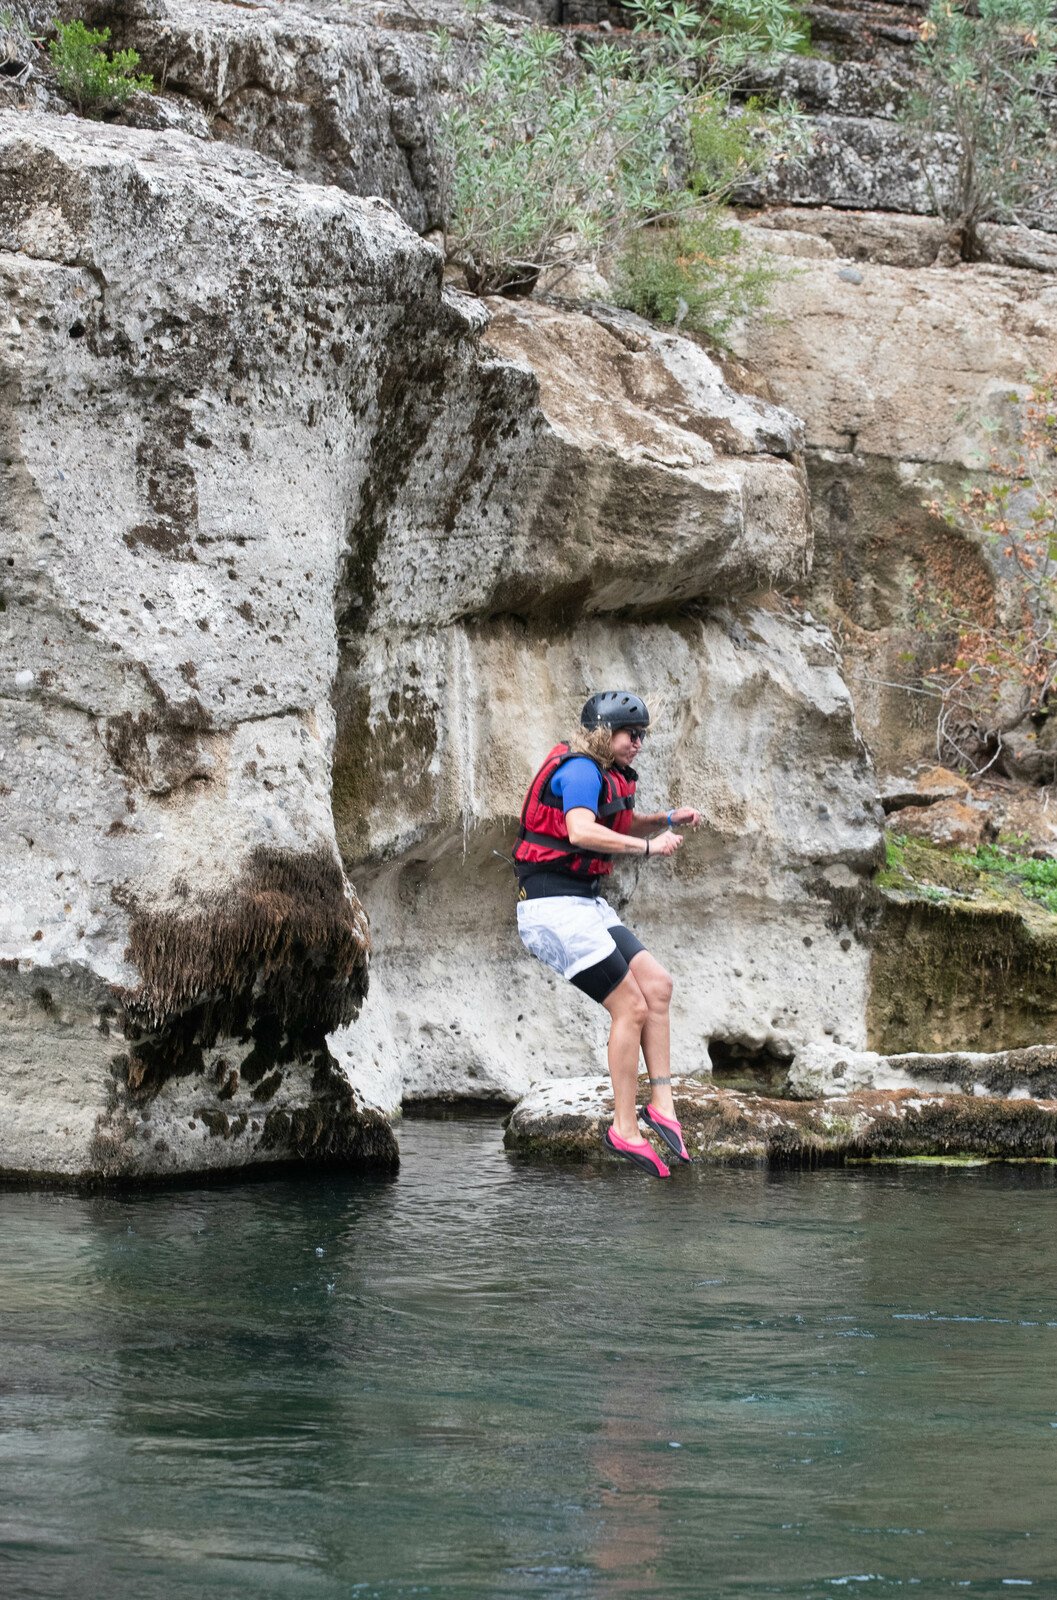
(666, 844)
(687, 816)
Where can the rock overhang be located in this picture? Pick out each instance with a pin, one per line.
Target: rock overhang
(758, 917)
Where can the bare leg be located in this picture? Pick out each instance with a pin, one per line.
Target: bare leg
(655, 986)
(629, 1011)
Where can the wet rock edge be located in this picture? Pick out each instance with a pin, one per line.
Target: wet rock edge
(723, 1126)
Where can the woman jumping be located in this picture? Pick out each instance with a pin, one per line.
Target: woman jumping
(577, 815)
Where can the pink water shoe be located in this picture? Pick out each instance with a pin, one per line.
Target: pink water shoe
(668, 1129)
(642, 1153)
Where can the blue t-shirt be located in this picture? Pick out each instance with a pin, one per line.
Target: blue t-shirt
(579, 783)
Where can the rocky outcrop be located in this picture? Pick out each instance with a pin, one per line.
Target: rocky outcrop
(858, 155)
(890, 240)
(637, 481)
(192, 354)
(826, 1070)
(602, 477)
(758, 921)
(995, 809)
(567, 1120)
(338, 93)
(850, 341)
(616, 473)
(898, 368)
(311, 559)
(964, 959)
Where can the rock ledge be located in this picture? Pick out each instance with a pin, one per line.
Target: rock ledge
(567, 1118)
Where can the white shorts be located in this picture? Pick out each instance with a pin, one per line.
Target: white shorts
(568, 932)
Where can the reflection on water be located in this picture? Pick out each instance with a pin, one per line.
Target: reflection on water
(491, 1378)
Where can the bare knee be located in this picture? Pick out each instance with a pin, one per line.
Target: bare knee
(637, 1009)
(658, 992)
(654, 982)
(627, 1003)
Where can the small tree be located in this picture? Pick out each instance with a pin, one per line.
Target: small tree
(982, 117)
(552, 151)
(94, 81)
(1003, 667)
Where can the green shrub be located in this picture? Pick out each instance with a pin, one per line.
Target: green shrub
(553, 152)
(94, 81)
(986, 96)
(692, 275)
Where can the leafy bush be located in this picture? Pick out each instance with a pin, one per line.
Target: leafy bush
(555, 152)
(691, 275)
(94, 81)
(987, 96)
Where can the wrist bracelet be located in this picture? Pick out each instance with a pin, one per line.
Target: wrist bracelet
(668, 819)
(647, 847)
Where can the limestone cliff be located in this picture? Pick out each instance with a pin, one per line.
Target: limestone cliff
(309, 559)
(276, 513)
(898, 366)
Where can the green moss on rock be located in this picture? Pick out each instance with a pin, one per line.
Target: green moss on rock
(963, 959)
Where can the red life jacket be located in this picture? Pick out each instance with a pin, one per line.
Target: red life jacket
(543, 837)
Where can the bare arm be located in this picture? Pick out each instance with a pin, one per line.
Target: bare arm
(588, 834)
(649, 821)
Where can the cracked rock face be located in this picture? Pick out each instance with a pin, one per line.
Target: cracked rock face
(898, 367)
(494, 492)
(666, 483)
(853, 89)
(339, 93)
(758, 920)
(902, 362)
(604, 468)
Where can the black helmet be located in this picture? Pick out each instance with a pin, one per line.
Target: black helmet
(614, 708)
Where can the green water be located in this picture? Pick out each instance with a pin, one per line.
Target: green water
(491, 1378)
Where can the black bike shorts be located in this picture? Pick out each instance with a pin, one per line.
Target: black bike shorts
(599, 981)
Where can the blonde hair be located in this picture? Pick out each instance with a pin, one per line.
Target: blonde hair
(594, 742)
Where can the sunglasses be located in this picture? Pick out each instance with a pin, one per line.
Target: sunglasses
(636, 735)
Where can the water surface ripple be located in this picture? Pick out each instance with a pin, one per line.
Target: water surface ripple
(492, 1378)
